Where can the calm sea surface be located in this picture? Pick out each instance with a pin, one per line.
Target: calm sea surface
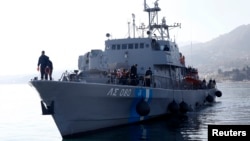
(21, 118)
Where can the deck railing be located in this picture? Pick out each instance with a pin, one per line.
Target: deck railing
(157, 81)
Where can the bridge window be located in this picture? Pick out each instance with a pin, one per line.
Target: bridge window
(166, 48)
(141, 45)
(113, 47)
(130, 46)
(124, 46)
(136, 45)
(118, 47)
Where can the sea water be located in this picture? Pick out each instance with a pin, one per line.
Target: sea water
(21, 118)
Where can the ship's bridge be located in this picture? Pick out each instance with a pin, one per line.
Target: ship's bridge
(139, 44)
(146, 52)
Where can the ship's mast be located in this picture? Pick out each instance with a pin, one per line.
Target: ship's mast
(160, 30)
(133, 16)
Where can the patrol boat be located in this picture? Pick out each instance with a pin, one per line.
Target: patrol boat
(104, 92)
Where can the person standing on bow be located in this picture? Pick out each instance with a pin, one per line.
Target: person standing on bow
(41, 65)
(49, 69)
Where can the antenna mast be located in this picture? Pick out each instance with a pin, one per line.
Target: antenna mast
(161, 28)
(133, 16)
(128, 29)
(142, 27)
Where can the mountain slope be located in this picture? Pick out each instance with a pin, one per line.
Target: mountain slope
(228, 51)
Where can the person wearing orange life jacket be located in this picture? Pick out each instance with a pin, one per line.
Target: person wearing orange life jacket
(182, 59)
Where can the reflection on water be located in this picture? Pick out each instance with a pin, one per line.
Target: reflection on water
(21, 118)
(171, 128)
(167, 128)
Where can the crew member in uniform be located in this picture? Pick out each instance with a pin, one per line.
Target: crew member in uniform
(133, 74)
(148, 76)
(50, 68)
(41, 65)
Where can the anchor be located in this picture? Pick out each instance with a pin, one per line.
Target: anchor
(47, 110)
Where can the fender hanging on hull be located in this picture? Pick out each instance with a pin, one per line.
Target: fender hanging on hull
(183, 107)
(218, 93)
(142, 108)
(209, 98)
(173, 107)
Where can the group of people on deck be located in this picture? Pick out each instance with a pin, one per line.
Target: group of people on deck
(131, 77)
(45, 66)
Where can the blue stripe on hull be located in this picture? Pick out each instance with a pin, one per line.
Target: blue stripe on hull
(140, 93)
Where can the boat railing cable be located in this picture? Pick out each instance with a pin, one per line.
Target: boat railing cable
(64, 76)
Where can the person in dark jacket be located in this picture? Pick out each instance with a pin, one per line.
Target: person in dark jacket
(41, 65)
(133, 74)
(148, 76)
(50, 68)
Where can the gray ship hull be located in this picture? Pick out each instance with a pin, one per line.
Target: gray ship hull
(78, 107)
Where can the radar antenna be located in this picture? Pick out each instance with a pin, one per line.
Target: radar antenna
(142, 28)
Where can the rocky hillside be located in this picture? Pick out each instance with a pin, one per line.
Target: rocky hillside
(226, 52)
